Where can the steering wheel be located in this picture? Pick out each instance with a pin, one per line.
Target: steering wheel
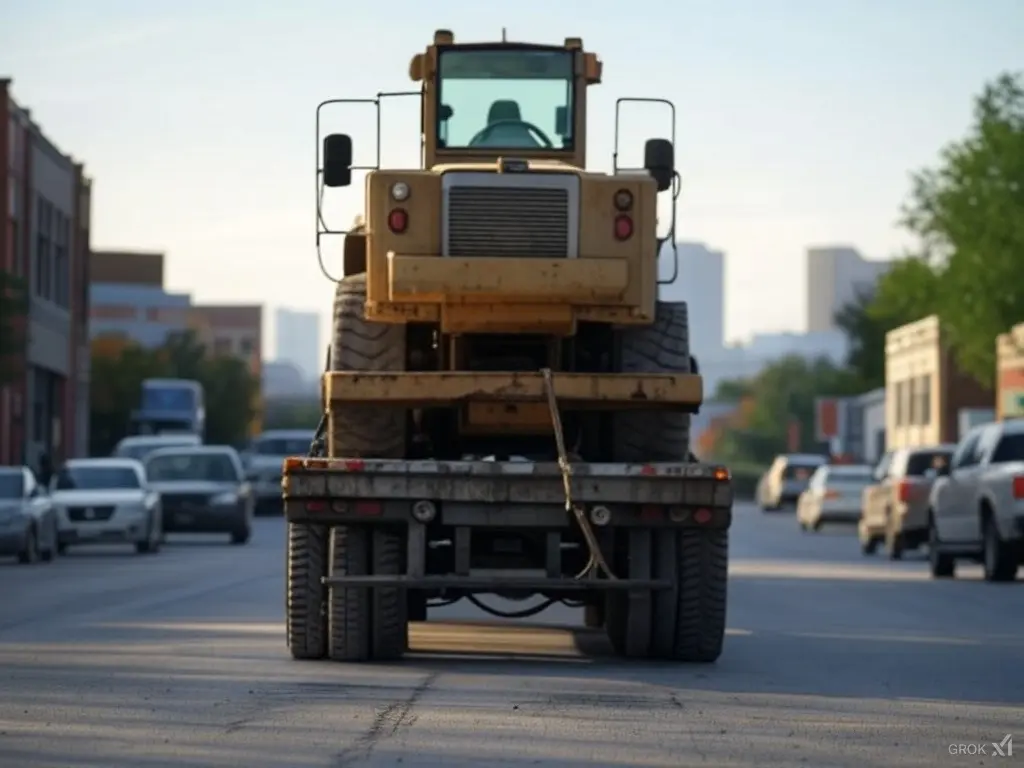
(530, 127)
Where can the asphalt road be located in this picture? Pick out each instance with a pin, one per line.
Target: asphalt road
(112, 660)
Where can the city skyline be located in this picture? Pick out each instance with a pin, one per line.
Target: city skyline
(795, 155)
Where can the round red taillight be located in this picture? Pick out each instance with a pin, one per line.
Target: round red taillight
(623, 227)
(398, 220)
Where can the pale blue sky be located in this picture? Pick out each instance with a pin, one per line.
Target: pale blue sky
(799, 120)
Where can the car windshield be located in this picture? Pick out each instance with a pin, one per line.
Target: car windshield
(919, 463)
(203, 467)
(799, 470)
(12, 485)
(141, 450)
(168, 398)
(283, 446)
(85, 478)
(505, 98)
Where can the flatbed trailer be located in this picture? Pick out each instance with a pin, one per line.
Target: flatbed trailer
(651, 540)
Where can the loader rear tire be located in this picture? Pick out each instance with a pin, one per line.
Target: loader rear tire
(366, 623)
(361, 345)
(687, 621)
(305, 595)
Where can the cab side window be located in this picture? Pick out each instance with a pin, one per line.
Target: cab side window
(964, 453)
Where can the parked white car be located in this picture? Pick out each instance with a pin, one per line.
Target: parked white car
(104, 501)
(833, 495)
(786, 479)
(976, 507)
(28, 524)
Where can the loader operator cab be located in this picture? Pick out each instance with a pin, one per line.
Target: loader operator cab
(505, 98)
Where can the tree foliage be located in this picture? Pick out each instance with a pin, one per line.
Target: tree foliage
(13, 301)
(968, 215)
(907, 292)
(784, 393)
(118, 370)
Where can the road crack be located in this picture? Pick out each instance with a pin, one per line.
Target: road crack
(387, 721)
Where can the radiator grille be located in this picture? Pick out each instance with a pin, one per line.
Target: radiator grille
(508, 221)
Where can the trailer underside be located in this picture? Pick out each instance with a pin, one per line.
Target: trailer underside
(509, 465)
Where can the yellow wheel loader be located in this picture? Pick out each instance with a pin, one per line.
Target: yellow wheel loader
(507, 402)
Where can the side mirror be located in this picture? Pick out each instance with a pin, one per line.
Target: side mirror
(561, 121)
(660, 162)
(444, 113)
(337, 160)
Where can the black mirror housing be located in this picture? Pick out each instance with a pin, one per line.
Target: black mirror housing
(561, 121)
(337, 160)
(660, 162)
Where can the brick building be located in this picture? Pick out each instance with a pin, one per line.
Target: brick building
(925, 391)
(45, 243)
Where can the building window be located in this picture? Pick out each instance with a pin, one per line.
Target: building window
(43, 264)
(925, 403)
(245, 347)
(900, 416)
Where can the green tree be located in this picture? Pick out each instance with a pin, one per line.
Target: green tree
(229, 387)
(785, 392)
(231, 392)
(909, 291)
(12, 309)
(968, 212)
(732, 390)
(115, 386)
(291, 414)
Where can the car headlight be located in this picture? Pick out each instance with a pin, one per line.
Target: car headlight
(224, 499)
(135, 508)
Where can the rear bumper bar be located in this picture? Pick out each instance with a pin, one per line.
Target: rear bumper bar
(500, 583)
(490, 482)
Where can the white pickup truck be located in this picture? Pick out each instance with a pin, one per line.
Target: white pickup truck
(976, 508)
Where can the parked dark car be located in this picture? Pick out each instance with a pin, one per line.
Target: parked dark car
(202, 490)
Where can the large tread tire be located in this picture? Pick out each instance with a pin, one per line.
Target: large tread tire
(662, 347)
(366, 623)
(361, 345)
(688, 621)
(348, 611)
(389, 633)
(305, 594)
(703, 579)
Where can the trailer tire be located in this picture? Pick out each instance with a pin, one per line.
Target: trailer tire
(389, 633)
(361, 345)
(702, 576)
(305, 594)
(367, 624)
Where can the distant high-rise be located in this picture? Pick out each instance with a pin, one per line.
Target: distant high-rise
(835, 275)
(701, 284)
(298, 341)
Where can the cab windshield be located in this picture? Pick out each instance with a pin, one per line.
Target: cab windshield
(505, 98)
